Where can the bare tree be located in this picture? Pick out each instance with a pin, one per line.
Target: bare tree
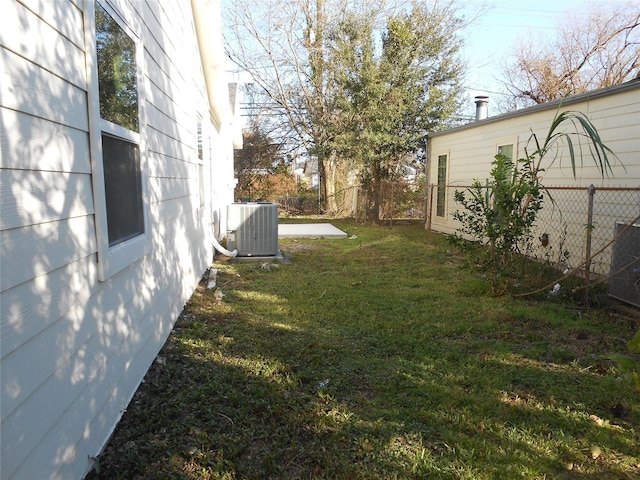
(281, 43)
(259, 157)
(596, 51)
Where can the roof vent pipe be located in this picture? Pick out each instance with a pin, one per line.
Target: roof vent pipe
(482, 107)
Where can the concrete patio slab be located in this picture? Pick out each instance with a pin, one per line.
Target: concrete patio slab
(309, 230)
(290, 230)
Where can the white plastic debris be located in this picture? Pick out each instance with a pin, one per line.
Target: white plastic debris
(554, 291)
(211, 284)
(323, 384)
(218, 295)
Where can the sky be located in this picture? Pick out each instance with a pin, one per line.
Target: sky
(491, 37)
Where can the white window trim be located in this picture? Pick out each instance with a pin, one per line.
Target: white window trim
(201, 162)
(117, 131)
(112, 260)
(501, 142)
(446, 153)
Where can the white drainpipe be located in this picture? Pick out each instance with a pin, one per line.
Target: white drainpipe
(208, 24)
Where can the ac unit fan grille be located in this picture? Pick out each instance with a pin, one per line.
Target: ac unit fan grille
(254, 227)
(625, 285)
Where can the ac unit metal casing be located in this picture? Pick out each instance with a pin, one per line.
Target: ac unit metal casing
(625, 285)
(253, 229)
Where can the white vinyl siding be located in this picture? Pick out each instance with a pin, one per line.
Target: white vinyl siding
(47, 227)
(73, 348)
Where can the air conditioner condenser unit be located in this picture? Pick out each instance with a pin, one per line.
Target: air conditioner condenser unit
(253, 229)
(624, 283)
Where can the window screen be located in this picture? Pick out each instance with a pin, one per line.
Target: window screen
(123, 189)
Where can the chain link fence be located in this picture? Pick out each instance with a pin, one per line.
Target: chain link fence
(297, 204)
(595, 230)
(592, 230)
(397, 200)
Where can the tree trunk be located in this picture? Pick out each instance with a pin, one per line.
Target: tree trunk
(391, 205)
(376, 200)
(328, 183)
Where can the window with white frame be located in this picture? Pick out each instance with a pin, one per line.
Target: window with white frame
(441, 195)
(506, 150)
(200, 164)
(115, 119)
(118, 91)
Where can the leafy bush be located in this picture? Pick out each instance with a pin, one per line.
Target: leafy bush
(502, 213)
(629, 366)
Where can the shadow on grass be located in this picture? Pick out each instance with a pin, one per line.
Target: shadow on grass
(336, 368)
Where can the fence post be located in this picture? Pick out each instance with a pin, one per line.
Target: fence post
(354, 203)
(429, 213)
(592, 192)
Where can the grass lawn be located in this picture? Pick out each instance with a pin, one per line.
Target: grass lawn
(380, 357)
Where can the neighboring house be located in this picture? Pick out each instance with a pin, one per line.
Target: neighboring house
(311, 173)
(462, 154)
(116, 170)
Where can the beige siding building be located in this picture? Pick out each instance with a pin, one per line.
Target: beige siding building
(462, 154)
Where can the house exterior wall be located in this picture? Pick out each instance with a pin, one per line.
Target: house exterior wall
(614, 111)
(75, 346)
